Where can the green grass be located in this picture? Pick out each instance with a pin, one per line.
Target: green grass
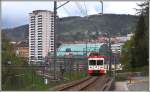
(30, 81)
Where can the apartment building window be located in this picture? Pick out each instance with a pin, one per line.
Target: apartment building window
(32, 56)
(39, 38)
(52, 30)
(39, 21)
(39, 15)
(39, 18)
(33, 26)
(39, 56)
(32, 41)
(32, 16)
(39, 28)
(39, 43)
(51, 41)
(39, 33)
(39, 25)
(32, 46)
(32, 29)
(51, 36)
(32, 36)
(40, 47)
(32, 49)
(32, 22)
(39, 51)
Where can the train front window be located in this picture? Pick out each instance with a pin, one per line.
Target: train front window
(92, 62)
(99, 62)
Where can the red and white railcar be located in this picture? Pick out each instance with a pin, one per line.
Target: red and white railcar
(96, 65)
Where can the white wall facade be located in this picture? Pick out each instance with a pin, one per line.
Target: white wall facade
(41, 35)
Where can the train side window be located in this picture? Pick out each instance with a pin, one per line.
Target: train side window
(92, 62)
(99, 62)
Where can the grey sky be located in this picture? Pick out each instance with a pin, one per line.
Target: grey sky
(15, 13)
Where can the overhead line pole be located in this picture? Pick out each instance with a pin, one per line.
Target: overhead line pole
(55, 13)
(110, 53)
(55, 29)
(102, 5)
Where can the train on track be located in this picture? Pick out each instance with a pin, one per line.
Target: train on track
(96, 64)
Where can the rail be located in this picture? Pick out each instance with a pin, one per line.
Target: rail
(107, 85)
(86, 84)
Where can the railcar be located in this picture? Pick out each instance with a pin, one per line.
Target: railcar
(96, 65)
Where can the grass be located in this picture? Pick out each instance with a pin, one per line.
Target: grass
(31, 81)
(28, 81)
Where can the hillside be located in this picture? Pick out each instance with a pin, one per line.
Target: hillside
(77, 28)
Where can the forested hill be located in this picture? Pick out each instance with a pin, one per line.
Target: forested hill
(70, 28)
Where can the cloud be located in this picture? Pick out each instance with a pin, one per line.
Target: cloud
(121, 7)
(15, 13)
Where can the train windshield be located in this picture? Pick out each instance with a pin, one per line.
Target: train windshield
(99, 62)
(92, 62)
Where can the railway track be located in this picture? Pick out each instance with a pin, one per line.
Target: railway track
(93, 83)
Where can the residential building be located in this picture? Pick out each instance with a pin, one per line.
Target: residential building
(41, 35)
(22, 49)
(129, 36)
(116, 48)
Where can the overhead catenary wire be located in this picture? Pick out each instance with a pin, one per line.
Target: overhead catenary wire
(80, 8)
(86, 11)
(68, 13)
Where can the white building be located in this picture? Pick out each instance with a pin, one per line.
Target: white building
(116, 48)
(129, 36)
(41, 35)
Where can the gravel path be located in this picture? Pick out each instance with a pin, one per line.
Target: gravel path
(121, 86)
(139, 84)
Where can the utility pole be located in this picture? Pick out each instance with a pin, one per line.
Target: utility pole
(55, 19)
(86, 47)
(55, 29)
(110, 53)
(101, 1)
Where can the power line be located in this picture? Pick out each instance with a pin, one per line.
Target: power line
(85, 9)
(80, 8)
(68, 13)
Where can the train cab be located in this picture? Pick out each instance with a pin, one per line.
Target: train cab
(96, 65)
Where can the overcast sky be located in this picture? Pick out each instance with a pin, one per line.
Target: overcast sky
(16, 13)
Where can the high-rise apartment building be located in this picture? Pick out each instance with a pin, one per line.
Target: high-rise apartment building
(41, 35)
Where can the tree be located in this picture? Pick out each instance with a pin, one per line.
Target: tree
(135, 52)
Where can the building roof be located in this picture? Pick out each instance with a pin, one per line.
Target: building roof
(37, 11)
(22, 44)
(79, 49)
